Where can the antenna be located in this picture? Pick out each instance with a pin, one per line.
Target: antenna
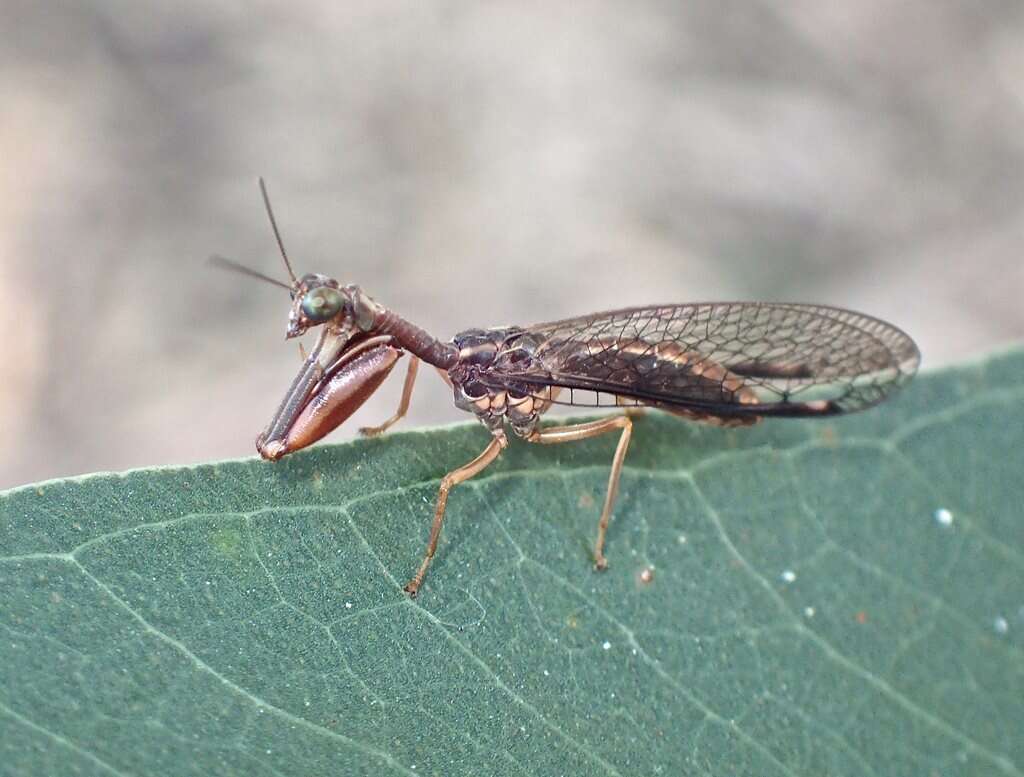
(229, 264)
(277, 234)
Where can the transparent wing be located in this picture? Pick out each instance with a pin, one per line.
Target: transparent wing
(729, 359)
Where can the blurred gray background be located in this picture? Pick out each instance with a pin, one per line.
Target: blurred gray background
(473, 164)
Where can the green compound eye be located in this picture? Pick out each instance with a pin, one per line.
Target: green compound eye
(322, 304)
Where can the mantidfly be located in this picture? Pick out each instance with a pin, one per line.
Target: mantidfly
(723, 363)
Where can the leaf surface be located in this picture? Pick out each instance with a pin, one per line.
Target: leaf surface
(820, 598)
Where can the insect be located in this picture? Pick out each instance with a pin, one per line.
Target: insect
(723, 363)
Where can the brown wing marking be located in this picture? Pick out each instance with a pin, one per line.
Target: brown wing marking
(701, 367)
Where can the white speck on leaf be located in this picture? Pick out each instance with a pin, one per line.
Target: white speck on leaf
(943, 517)
(1001, 625)
(809, 612)
(606, 645)
(788, 576)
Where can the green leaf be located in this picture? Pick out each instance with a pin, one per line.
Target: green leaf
(828, 598)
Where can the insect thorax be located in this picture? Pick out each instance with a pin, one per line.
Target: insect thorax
(484, 378)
